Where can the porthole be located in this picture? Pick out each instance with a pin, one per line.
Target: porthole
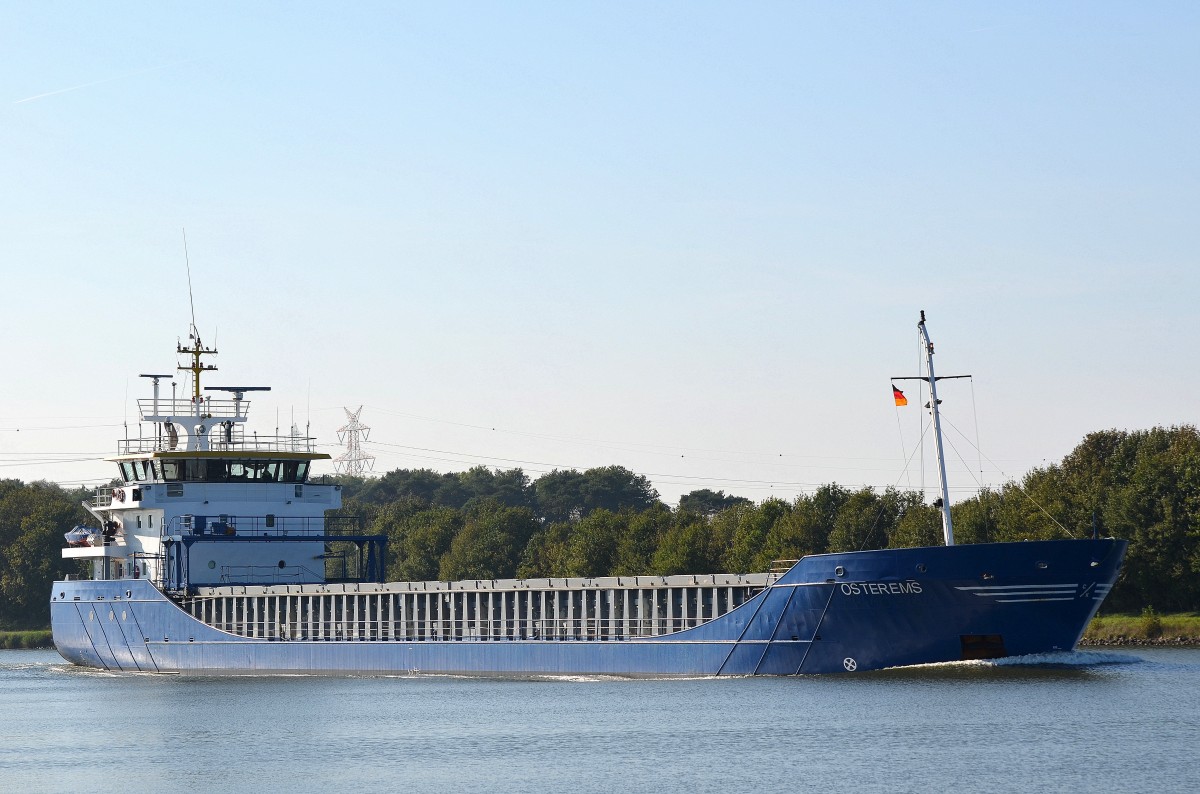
(282, 564)
(91, 614)
(1041, 565)
(840, 571)
(987, 576)
(212, 564)
(124, 615)
(112, 615)
(921, 567)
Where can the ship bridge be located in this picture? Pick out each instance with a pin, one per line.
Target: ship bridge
(202, 501)
(204, 441)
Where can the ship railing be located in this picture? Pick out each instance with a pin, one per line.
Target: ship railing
(102, 497)
(139, 446)
(238, 442)
(778, 568)
(268, 574)
(152, 410)
(467, 630)
(259, 443)
(98, 538)
(269, 525)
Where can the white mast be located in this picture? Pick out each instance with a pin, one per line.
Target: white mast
(947, 526)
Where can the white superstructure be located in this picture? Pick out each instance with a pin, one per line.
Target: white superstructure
(191, 497)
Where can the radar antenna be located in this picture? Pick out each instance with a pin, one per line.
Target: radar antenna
(353, 461)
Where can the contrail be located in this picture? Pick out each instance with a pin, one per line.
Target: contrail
(101, 82)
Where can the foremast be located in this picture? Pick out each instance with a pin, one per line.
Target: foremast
(196, 367)
(947, 522)
(942, 502)
(198, 415)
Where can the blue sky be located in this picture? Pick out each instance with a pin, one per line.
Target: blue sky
(688, 238)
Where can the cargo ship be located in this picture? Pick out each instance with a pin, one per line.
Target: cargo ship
(213, 554)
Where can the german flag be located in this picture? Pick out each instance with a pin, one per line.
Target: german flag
(899, 395)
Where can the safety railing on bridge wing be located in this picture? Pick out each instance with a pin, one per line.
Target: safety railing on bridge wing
(273, 525)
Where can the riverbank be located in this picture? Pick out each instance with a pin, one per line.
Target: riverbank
(37, 638)
(1148, 628)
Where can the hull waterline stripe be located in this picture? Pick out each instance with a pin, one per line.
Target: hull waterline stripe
(1020, 586)
(1067, 592)
(1027, 600)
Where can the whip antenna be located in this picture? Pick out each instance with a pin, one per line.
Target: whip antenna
(187, 263)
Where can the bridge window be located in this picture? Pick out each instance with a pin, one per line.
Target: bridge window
(172, 470)
(225, 470)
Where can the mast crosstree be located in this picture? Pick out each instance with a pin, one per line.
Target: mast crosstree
(944, 501)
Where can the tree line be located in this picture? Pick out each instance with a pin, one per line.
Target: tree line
(494, 524)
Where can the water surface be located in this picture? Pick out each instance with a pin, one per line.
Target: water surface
(1091, 720)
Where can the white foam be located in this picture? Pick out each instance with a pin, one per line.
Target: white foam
(1067, 658)
(1055, 659)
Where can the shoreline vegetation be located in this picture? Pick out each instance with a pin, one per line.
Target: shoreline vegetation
(1146, 629)
(33, 638)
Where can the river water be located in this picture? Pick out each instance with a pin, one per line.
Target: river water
(1097, 720)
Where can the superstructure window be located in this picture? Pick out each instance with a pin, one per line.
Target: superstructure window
(295, 470)
(126, 471)
(139, 470)
(216, 471)
(235, 470)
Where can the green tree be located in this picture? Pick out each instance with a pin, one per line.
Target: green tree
(33, 519)
(489, 544)
(802, 531)
(706, 502)
(918, 525)
(616, 488)
(418, 536)
(748, 548)
(560, 495)
(545, 555)
(866, 520)
(686, 548)
(510, 487)
(592, 550)
(639, 542)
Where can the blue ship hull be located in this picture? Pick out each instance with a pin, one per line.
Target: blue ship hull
(829, 613)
